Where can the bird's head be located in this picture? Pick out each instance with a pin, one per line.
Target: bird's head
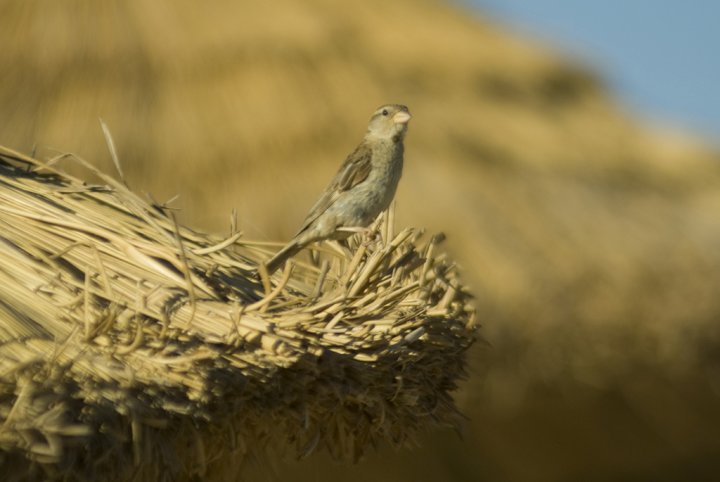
(389, 122)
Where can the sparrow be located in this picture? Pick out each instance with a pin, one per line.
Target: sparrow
(363, 187)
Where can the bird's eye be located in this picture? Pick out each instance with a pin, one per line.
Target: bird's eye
(384, 112)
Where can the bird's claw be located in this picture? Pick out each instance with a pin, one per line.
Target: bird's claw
(368, 236)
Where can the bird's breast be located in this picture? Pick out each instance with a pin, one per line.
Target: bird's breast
(369, 198)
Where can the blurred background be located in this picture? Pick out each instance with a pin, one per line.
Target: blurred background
(540, 144)
(656, 55)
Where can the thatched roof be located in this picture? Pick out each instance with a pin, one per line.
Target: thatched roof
(136, 348)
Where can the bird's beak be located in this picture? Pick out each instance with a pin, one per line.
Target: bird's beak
(401, 117)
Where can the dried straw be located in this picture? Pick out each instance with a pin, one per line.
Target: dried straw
(134, 348)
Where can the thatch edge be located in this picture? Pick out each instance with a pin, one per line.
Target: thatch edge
(46, 399)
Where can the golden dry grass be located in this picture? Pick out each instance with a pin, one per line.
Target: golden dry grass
(132, 348)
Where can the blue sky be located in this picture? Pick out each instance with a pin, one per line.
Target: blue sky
(661, 57)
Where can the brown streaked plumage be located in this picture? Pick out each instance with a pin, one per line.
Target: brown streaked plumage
(363, 187)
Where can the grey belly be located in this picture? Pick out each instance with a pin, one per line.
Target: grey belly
(359, 207)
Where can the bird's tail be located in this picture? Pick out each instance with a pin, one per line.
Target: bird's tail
(281, 256)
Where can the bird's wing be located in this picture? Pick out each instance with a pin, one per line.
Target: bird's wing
(354, 170)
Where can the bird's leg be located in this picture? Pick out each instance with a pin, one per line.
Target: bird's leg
(369, 236)
(315, 257)
(368, 233)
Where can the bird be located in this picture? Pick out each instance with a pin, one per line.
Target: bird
(363, 187)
